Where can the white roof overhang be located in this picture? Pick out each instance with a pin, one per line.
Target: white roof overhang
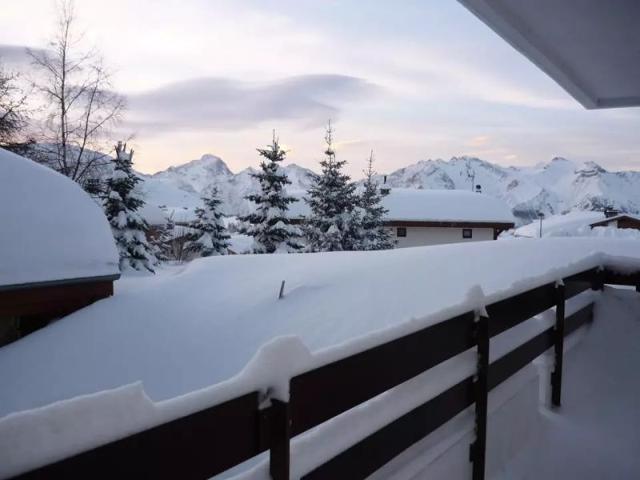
(590, 47)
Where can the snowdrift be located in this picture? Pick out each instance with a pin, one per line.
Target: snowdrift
(51, 229)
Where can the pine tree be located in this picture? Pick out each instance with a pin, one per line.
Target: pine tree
(269, 224)
(334, 222)
(212, 237)
(121, 207)
(374, 235)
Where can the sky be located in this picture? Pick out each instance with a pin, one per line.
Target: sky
(411, 80)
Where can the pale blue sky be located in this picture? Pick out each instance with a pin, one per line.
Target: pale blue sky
(410, 79)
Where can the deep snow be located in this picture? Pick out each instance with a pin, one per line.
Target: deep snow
(595, 434)
(51, 229)
(196, 326)
(411, 204)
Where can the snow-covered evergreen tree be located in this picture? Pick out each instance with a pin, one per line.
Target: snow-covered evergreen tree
(121, 207)
(374, 235)
(212, 237)
(269, 224)
(334, 221)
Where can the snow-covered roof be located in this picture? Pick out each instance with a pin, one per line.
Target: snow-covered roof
(51, 229)
(445, 206)
(153, 214)
(589, 47)
(426, 205)
(615, 218)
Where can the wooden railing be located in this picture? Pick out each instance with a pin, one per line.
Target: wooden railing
(213, 440)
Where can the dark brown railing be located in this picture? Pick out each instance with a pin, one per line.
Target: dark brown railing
(213, 440)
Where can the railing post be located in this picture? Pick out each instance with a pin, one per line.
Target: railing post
(598, 282)
(481, 394)
(280, 433)
(558, 347)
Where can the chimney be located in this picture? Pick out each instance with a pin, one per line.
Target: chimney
(610, 212)
(384, 190)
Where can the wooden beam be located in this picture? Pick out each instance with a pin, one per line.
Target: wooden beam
(52, 300)
(558, 344)
(481, 398)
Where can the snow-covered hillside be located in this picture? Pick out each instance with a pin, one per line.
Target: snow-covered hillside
(554, 187)
(179, 188)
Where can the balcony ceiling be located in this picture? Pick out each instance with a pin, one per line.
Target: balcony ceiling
(590, 47)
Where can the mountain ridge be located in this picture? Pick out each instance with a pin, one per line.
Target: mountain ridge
(551, 187)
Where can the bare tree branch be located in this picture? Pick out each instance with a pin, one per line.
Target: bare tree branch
(82, 105)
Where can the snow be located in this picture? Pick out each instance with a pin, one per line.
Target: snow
(552, 187)
(595, 434)
(568, 224)
(51, 229)
(576, 224)
(621, 217)
(556, 186)
(153, 214)
(178, 189)
(431, 205)
(445, 205)
(203, 333)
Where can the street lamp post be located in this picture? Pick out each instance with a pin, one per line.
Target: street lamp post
(540, 216)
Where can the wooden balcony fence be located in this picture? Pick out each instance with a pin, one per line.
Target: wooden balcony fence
(213, 440)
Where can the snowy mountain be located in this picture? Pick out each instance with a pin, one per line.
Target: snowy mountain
(554, 187)
(178, 189)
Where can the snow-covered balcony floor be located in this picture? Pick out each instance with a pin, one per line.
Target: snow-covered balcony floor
(593, 436)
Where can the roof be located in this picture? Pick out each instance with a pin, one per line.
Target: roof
(622, 216)
(589, 47)
(435, 206)
(52, 230)
(445, 206)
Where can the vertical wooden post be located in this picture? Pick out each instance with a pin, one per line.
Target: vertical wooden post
(481, 394)
(598, 282)
(558, 348)
(280, 433)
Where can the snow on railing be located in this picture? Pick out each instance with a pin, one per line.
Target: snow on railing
(285, 391)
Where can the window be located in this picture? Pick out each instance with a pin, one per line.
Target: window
(467, 233)
(401, 231)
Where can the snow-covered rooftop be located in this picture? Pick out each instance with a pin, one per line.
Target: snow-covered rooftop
(616, 218)
(427, 205)
(51, 229)
(445, 206)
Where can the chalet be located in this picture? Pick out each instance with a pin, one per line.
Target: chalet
(623, 220)
(418, 217)
(431, 217)
(57, 252)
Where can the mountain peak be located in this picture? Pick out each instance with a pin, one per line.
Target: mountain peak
(207, 163)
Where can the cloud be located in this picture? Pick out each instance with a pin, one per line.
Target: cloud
(16, 56)
(221, 103)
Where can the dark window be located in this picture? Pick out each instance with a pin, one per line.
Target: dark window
(467, 233)
(401, 232)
